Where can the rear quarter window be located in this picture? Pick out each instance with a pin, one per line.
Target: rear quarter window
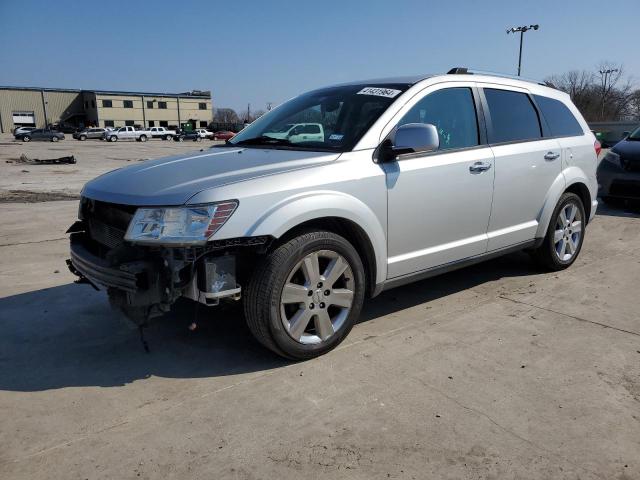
(561, 121)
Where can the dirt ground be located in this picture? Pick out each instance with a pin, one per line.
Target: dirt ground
(491, 372)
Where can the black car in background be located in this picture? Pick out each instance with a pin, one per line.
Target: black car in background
(619, 170)
(40, 135)
(183, 136)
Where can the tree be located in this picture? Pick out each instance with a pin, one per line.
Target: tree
(601, 96)
(225, 115)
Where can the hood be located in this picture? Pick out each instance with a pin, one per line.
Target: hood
(629, 150)
(174, 180)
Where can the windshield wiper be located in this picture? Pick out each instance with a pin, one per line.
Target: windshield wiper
(263, 140)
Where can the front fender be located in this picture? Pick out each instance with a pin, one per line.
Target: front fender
(292, 211)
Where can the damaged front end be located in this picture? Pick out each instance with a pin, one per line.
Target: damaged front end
(145, 280)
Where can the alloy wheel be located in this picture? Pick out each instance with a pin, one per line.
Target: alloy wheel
(317, 297)
(568, 233)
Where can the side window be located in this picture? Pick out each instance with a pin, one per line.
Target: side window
(453, 113)
(513, 116)
(559, 118)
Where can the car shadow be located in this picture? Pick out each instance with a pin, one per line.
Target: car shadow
(621, 209)
(68, 336)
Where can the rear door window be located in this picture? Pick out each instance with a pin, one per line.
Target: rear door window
(559, 118)
(513, 116)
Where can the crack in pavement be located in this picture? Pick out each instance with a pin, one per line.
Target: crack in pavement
(34, 241)
(505, 429)
(622, 330)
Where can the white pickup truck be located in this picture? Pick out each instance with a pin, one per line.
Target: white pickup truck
(127, 133)
(202, 133)
(161, 132)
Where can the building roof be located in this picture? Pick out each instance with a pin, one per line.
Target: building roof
(192, 94)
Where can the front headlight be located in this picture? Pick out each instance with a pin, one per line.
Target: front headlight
(613, 158)
(179, 225)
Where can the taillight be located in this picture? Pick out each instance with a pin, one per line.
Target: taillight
(598, 147)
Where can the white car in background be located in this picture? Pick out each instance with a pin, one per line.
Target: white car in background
(202, 133)
(162, 132)
(299, 132)
(127, 133)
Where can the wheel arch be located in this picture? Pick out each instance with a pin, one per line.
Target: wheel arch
(337, 212)
(571, 180)
(351, 231)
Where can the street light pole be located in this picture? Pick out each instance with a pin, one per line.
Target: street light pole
(522, 30)
(605, 73)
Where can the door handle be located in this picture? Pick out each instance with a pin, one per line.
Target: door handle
(479, 167)
(551, 156)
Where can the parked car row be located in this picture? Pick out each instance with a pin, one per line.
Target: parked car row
(26, 134)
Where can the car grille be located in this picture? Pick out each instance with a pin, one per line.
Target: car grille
(625, 189)
(105, 234)
(107, 223)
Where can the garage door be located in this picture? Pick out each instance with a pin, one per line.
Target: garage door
(24, 118)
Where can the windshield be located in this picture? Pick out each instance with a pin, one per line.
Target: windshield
(635, 135)
(330, 119)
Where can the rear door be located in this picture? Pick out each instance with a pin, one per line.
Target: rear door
(439, 202)
(526, 164)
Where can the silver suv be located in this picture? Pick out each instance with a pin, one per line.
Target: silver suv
(413, 177)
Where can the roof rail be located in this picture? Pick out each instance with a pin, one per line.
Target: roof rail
(468, 71)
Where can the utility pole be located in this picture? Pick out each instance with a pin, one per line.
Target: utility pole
(605, 74)
(522, 30)
(248, 113)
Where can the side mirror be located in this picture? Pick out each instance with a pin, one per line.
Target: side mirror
(410, 138)
(415, 138)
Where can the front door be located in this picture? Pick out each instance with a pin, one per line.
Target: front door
(439, 203)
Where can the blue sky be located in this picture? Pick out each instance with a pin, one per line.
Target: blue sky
(259, 51)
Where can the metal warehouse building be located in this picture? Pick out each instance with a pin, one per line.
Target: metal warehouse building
(38, 107)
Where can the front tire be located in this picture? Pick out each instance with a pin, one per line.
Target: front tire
(306, 295)
(83, 138)
(113, 138)
(26, 138)
(54, 139)
(565, 235)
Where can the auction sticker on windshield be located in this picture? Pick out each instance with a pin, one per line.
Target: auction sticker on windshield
(380, 92)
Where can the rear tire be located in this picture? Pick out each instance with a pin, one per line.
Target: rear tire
(167, 137)
(565, 235)
(325, 287)
(143, 138)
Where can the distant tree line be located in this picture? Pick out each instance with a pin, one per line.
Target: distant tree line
(606, 94)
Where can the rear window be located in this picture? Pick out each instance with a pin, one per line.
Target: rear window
(513, 116)
(559, 118)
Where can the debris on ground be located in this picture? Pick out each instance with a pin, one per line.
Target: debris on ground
(28, 196)
(70, 160)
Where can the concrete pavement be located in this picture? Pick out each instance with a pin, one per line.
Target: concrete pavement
(495, 371)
